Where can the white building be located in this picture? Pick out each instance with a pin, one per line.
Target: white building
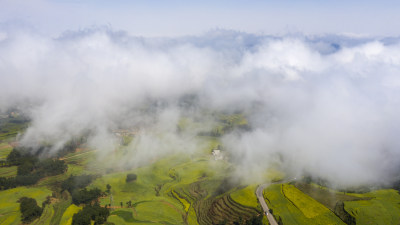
(217, 154)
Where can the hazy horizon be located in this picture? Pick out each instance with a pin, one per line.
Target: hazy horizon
(177, 18)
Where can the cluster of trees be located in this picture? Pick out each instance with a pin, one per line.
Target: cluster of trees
(72, 145)
(30, 169)
(131, 177)
(255, 220)
(343, 214)
(12, 182)
(85, 196)
(76, 182)
(76, 185)
(128, 204)
(91, 212)
(29, 209)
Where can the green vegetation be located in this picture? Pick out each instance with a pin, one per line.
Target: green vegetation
(73, 183)
(66, 218)
(47, 214)
(12, 125)
(8, 171)
(85, 196)
(59, 209)
(91, 213)
(29, 209)
(30, 169)
(184, 188)
(307, 205)
(333, 200)
(130, 177)
(382, 208)
(294, 207)
(297, 204)
(5, 150)
(178, 189)
(246, 196)
(9, 206)
(325, 196)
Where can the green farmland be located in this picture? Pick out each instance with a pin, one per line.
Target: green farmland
(188, 188)
(9, 208)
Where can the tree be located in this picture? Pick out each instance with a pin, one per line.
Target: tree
(91, 212)
(14, 156)
(108, 188)
(25, 168)
(131, 177)
(51, 167)
(280, 221)
(80, 219)
(122, 204)
(29, 209)
(76, 182)
(129, 203)
(85, 196)
(255, 220)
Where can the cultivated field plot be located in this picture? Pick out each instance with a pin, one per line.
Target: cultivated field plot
(9, 207)
(10, 127)
(246, 196)
(5, 149)
(295, 207)
(10, 171)
(297, 204)
(383, 208)
(178, 189)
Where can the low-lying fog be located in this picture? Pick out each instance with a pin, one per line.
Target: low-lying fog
(327, 106)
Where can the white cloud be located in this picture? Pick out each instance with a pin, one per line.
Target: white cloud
(330, 113)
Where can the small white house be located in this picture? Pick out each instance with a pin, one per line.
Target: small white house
(217, 154)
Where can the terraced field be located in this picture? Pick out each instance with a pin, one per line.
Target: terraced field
(47, 214)
(10, 171)
(5, 149)
(177, 189)
(223, 209)
(59, 209)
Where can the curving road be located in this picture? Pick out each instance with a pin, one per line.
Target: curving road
(260, 196)
(259, 193)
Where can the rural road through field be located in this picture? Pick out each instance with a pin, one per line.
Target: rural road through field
(260, 196)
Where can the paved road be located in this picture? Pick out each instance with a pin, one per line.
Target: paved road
(259, 193)
(260, 196)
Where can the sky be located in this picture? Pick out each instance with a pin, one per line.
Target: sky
(174, 18)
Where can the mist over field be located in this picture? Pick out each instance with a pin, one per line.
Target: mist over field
(322, 105)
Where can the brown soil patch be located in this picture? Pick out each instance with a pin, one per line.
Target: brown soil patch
(5, 146)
